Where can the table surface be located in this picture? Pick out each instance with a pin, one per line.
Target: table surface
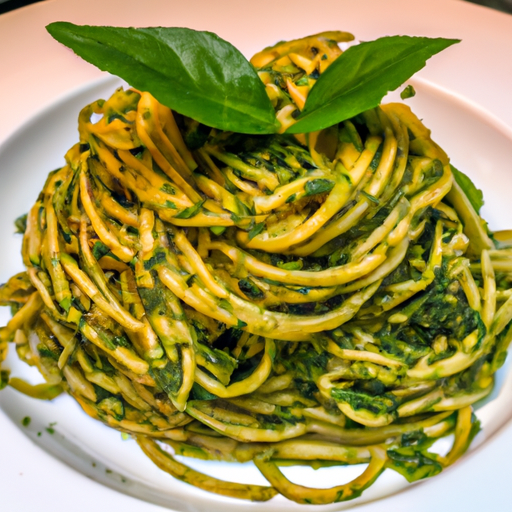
(501, 5)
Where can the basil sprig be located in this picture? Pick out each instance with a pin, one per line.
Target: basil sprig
(361, 76)
(197, 74)
(200, 75)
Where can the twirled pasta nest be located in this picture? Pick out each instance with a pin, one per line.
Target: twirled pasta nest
(328, 299)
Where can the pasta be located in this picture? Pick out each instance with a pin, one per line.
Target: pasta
(322, 299)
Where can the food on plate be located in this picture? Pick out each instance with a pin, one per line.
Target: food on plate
(325, 297)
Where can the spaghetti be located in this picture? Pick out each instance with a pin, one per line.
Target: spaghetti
(330, 298)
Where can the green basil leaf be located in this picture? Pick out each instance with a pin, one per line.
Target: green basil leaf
(475, 195)
(361, 76)
(197, 74)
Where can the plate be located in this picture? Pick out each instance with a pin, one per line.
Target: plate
(462, 98)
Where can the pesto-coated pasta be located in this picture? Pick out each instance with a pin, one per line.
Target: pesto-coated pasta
(322, 298)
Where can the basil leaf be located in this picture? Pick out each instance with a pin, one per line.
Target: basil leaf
(361, 76)
(475, 195)
(197, 74)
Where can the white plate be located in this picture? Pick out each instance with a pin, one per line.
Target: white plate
(462, 96)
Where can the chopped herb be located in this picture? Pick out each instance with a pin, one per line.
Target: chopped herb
(408, 92)
(113, 117)
(376, 159)
(256, 230)
(319, 186)
(112, 406)
(190, 212)
(225, 304)
(302, 81)
(4, 378)
(196, 135)
(250, 289)
(291, 265)
(26, 421)
(199, 393)
(235, 218)
(168, 189)
(159, 257)
(99, 250)
(475, 195)
(21, 223)
(373, 199)
(217, 230)
(350, 134)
